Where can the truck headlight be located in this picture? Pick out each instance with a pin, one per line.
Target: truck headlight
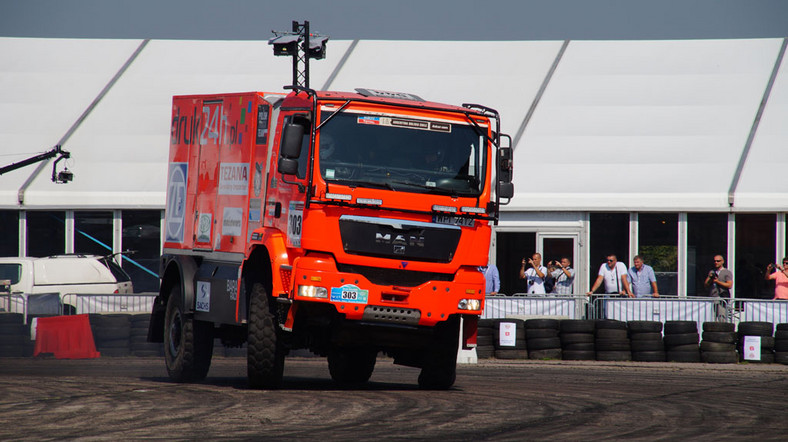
(312, 291)
(469, 304)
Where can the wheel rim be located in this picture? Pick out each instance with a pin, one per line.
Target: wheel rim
(176, 331)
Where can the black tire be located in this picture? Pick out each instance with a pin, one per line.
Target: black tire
(578, 355)
(686, 347)
(603, 333)
(681, 339)
(782, 326)
(582, 346)
(487, 323)
(484, 331)
(781, 357)
(612, 345)
(533, 333)
(682, 356)
(543, 343)
(610, 324)
(613, 356)
(716, 346)
(646, 337)
(723, 337)
(484, 340)
(511, 354)
(767, 358)
(680, 327)
(576, 338)
(548, 353)
(781, 345)
(12, 318)
(720, 357)
(718, 327)
(115, 352)
(351, 365)
(645, 327)
(484, 352)
(519, 334)
(440, 359)
(578, 326)
(265, 354)
(188, 343)
(648, 356)
(781, 335)
(755, 328)
(647, 346)
(543, 323)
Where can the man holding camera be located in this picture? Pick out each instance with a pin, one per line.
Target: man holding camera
(719, 282)
(534, 275)
(564, 276)
(780, 277)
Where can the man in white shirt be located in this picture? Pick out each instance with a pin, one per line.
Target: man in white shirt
(614, 274)
(534, 275)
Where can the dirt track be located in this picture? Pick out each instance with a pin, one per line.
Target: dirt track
(131, 398)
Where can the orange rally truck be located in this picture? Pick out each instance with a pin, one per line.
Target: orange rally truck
(344, 223)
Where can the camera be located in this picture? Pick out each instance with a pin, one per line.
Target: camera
(712, 276)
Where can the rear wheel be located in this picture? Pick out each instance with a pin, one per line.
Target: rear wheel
(188, 343)
(351, 365)
(265, 361)
(440, 359)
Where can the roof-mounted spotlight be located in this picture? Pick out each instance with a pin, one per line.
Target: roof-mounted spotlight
(285, 45)
(301, 45)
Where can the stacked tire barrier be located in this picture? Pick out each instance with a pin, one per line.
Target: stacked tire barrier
(509, 339)
(542, 338)
(646, 341)
(682, 341)
(484, 339)
(577, 340)
(111, 333)
(138, 337)
(14, 336)
(781, 344)
(765, 330)
(611, 341)
(718, 345)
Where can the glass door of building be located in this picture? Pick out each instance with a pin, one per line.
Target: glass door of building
(555, 246)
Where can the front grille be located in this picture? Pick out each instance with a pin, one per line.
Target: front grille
(393, 315)
(398, 277)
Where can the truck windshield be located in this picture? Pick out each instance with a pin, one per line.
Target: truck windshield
(402, 153)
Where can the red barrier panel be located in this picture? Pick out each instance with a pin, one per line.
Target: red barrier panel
(67, 337)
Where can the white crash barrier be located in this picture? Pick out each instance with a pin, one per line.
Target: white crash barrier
(774, 311)
(565, 306)
(112, 303)
(699, 310)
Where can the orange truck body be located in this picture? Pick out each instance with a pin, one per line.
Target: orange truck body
(353, 250)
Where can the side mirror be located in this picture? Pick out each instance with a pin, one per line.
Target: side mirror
(505, 190)
(287, 166)
(291, 141)
(505, 165)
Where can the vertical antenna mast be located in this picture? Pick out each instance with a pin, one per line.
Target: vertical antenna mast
(301, 45)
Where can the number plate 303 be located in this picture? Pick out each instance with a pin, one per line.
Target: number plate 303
(349, 293)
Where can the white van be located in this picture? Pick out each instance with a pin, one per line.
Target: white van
(61, 275)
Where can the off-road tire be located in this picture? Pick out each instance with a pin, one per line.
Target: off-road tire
(680, 327)
(351, 365)
(188, 343)
(265, 355)
(439, 370)
(644, 326)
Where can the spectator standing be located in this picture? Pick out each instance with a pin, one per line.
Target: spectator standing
(643, 281)
(491, 278)
(719, 282)
(564, 276)
(534, 275)
(614, 274)
(780, 278)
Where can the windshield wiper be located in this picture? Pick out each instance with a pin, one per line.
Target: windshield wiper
(334, 114)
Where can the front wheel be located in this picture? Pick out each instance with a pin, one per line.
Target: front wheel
(265, 359)
(188, 343)
(440, 358)
(351, 365)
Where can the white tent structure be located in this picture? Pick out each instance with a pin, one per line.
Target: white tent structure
(599, 126)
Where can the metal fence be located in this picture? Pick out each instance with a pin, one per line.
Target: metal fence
(667, 308)
(114, 303)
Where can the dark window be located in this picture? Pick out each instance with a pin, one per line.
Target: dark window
(11, 271)
(9, 225)
(658, 239)
(46, 233)
(93, 233)
(142, 235)
(609, 234)
(707, 236)
(511, 248)
(115, 269)
(755, 249)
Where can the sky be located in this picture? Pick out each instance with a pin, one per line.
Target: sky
(397, 19)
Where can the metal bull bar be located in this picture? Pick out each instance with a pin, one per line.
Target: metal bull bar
(111, 303)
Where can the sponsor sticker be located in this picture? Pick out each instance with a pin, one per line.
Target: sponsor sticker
(176, 202)
(294, 219)
(508, 334)
(233, 178)
(204, 228)
(349, 293)
(232, 221)
(203, 296)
